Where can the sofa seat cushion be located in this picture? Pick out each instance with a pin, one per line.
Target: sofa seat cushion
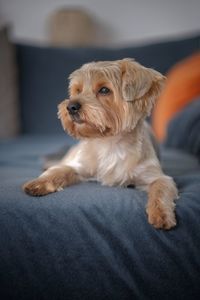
(91, 241)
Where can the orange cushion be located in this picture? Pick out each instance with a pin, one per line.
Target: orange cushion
(183, 85)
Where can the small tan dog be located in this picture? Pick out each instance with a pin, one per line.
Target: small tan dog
(107, 108)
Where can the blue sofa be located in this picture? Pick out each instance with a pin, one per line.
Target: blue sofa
(91, 241)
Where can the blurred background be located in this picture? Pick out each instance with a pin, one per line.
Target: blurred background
(113, 22)
(43, 41)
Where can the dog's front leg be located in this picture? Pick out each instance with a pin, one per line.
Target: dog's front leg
(162, 193)
(52, 180)
(160, 206)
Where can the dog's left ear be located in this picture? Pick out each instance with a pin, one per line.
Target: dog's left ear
(140, 83)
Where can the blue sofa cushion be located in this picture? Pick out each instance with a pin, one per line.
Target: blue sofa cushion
(43, 73)
(90, 241)
(184, 129)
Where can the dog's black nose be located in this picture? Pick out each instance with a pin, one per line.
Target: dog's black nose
(73, 107)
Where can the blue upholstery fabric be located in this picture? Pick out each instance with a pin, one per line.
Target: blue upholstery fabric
(43, 74)
(184, 129)
(89, 241)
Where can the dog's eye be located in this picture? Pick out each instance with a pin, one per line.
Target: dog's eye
(104, 91)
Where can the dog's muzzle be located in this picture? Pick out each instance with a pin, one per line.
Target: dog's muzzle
(73, 108)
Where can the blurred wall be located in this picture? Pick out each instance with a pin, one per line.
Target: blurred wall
(120, 21)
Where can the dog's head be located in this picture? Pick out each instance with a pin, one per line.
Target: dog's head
(109, 97)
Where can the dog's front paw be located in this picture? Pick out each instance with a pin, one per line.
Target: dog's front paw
(160, 218)
(39, 187)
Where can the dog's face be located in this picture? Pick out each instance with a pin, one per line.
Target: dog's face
(107, 98)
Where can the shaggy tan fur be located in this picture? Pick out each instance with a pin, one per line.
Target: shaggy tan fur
(115, 147)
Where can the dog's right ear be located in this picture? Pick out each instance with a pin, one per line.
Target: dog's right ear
(138, 82)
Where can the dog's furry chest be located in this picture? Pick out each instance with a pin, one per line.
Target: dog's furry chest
(113, 165)
(110, 161)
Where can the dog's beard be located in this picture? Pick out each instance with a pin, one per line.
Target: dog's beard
(93, 122)
(90, 122)
(76, 118)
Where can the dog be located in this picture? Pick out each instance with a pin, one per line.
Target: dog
(106, 111)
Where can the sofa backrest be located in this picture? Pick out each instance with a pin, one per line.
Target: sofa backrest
(43, 73)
